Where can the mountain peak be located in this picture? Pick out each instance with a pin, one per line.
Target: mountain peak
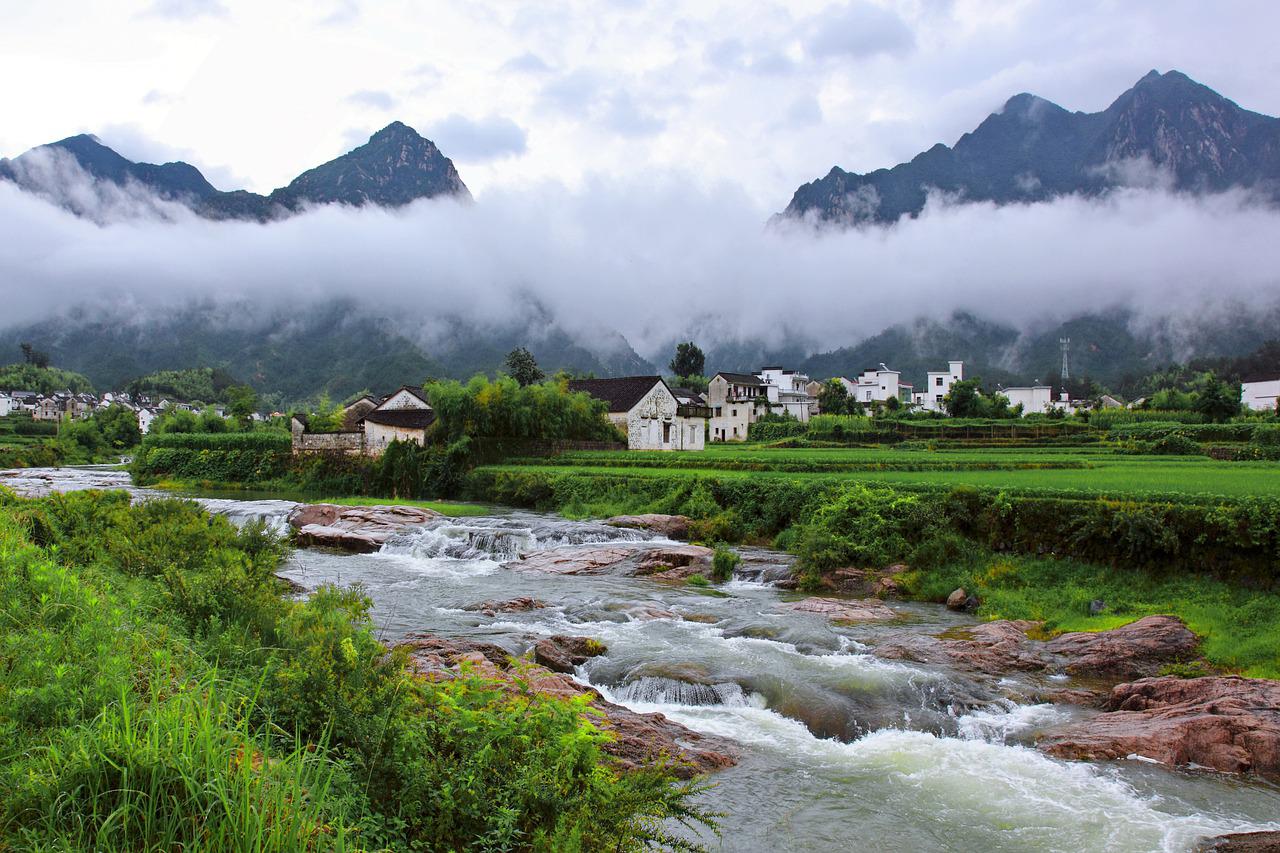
(1033, 150)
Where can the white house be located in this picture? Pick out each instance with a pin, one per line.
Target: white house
(646, 410)
(877, 385)
(6, 404)
(145, 418)
(1034, 399)
(1259, 392)
(787, 390)
(736, 400)
(937, 385)
(404, 415)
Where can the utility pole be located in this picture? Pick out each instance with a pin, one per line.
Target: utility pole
(1066, 358)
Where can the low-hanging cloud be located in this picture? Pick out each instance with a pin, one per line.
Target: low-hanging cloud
(655, 261)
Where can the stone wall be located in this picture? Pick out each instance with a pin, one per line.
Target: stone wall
(328, 442)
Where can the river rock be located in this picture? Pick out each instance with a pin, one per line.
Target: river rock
(958, 599)
(1227, 723)
(513, 605)
(564, 654)
(355, 528)
(670, 526)
(640, 740)
(664, 561)
(1135, 650)
(844, 611)
(1243, 842)
(991, 647)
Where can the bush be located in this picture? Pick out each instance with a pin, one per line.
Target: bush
(1176, 444)
(723, 562)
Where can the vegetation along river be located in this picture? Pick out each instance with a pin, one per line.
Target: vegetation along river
(837, 749)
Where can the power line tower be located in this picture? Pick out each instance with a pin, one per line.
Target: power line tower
(1066, 358)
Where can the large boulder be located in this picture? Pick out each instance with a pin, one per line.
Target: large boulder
(564, 654)
(670, 526)
(1228, 723)
(842, 611)
(1135, 650)
(664, 561)
(355, 528)
(640, 740)
(493, 607)
(1243, 842)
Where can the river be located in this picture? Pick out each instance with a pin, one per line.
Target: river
(838, 750)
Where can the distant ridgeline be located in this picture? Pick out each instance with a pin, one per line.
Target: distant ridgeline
(395, 167)
(1167, 127)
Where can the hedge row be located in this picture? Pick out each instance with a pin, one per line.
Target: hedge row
(262, 440)
(1223, 538)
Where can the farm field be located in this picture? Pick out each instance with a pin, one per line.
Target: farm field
(1087, 469)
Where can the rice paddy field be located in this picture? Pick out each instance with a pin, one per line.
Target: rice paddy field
(1089, 469)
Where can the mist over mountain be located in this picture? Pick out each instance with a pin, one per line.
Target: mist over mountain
(1167, 130)
(394, 168)
(385, 273)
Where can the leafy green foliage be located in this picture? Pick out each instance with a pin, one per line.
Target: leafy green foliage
(723, 562)
(523, 367)
(203, 384)
(503, 408)
(46, 380)
(157, 693)
(225, 457)
(689, 360)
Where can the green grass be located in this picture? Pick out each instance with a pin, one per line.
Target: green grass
(449, 508)
(1044, 470)
(1239, 627)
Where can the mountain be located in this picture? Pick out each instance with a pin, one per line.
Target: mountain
(395, 167)
(1168, 128)
(336, 347)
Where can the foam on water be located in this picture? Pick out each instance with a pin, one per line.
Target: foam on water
(503, 539)
(998, 724)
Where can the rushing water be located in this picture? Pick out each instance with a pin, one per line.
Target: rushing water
(838, 750)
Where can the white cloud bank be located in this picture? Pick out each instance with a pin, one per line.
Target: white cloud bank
(654, 261)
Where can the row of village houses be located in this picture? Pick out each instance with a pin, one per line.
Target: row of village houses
(61, 404)
(654, 415)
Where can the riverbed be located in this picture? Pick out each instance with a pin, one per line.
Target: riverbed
(837, 749)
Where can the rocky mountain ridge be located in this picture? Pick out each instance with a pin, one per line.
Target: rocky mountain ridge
(395, 167)
(1167, 130)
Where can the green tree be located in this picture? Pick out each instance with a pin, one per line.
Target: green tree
(119, 427)
(688, 361)
(833, 399)
(1218, 402)
(33, 356)
(964, 400)
(523, 367)
(242, 403)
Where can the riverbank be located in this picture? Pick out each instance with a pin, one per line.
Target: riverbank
(1071, 563)
(836, 733)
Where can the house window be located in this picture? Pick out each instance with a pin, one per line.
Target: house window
(666, 433)
(938, 397)
(718, 409)
(735, 414)
(735, 432)
(937, 380)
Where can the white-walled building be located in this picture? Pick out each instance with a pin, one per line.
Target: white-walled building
(736, 400)
(787, 391)
(1260, 392)
(649, 413)
(937, 385)
(6, 404)
(1034, 399)
(402, 416)
(877, 385)
(146, 417)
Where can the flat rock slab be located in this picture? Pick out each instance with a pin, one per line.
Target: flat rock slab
(844, 611)
(563, 653)
(355, 528)
(670, 526)
(640, 740)
(628, 559)
(1227, 723)
(522, 604)
(1136, 650)
(1243, 842)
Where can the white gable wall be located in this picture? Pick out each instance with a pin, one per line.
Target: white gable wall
(653, 423)
(1260, 396)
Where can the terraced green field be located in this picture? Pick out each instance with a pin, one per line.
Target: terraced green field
(1090, 469)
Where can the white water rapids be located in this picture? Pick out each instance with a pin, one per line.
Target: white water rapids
(838, 750)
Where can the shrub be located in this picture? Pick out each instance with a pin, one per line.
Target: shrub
(723, 562)
(1176, 444)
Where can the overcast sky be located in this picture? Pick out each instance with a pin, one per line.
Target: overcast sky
(759, 95)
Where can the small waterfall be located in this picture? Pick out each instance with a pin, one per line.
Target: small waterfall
(273, 513)
(503, 539)
(656, 690)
